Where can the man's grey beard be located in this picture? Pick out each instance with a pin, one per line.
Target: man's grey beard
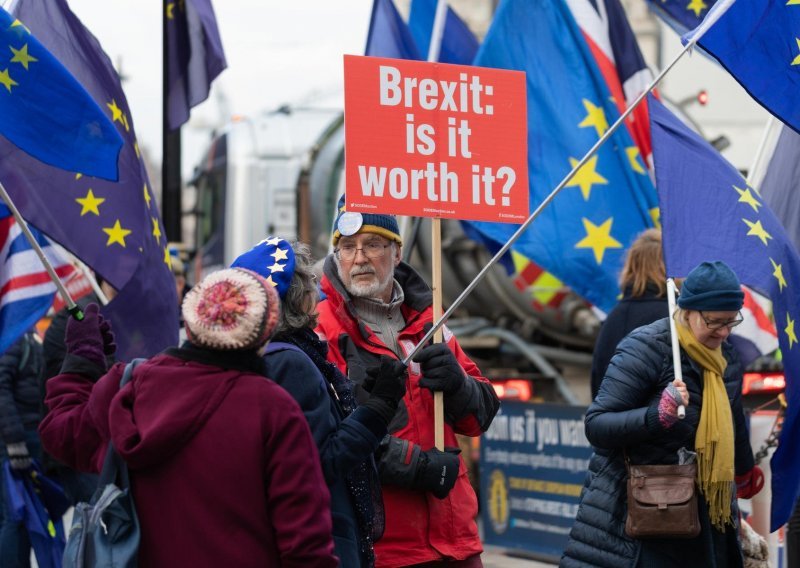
(372, 290)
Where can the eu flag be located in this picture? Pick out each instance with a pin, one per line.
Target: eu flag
(582, 235)
(389, 35)
(708, 212)
(115, 228)
(46, 112)
(758, 42)
(681, 15)
(194, 56)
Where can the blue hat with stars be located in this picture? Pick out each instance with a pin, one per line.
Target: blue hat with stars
(272, 258)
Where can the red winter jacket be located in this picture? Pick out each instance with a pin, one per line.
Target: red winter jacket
(223, 468)
(419, 527)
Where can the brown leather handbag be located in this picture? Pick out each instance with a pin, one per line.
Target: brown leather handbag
(662, 501)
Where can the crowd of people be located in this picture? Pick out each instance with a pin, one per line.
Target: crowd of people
(288, 431)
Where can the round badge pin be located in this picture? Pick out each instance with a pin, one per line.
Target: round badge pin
(349, 223)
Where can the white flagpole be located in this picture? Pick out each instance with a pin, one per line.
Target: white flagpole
(592, 151)
(673, 331)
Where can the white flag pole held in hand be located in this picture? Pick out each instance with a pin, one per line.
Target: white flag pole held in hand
(676, 349)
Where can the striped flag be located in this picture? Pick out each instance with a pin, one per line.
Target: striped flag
(608, 34)
(26, 291)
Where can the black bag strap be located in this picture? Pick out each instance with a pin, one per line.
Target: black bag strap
(115, 470)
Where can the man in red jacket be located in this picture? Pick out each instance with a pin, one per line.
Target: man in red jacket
(378, 306)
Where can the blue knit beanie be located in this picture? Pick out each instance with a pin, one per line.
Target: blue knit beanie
(272, 258)
(712, 287)
(349, 223)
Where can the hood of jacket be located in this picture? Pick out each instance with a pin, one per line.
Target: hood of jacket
(171, 397)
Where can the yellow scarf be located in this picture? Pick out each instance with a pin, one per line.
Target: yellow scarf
(714, 438)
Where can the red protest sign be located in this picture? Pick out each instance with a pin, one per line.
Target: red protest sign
(435, 140)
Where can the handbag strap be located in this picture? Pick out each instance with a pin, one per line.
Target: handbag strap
(115, 470)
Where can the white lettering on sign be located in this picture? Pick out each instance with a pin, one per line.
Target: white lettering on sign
(463, 95)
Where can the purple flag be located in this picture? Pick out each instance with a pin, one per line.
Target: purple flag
(115, 228)
(194, 56)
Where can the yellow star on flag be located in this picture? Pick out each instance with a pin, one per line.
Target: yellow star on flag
(796, 60)
(756, 230)
(276, 267)
(655, 215)
(271, 281)
(18, 24)
(90, 203)
(136, 149)
(170, 10)
(778, 274)
(595, 116)
(6, 80)
(696, 6)
(146, 196)
(793, 3)
(116, 112)
(125, 122)
(633, 155)
(274, 241)
(789, 330)
(116, 234)
(156, 228)
(167, 258)
(280, 254)
(598, 238)
(21, 56)
(745, 196)
(586, 177)
(78, 176)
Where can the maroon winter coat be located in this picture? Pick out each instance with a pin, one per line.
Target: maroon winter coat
(224, 470)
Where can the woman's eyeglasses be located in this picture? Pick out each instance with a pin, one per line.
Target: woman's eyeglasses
(715, 325)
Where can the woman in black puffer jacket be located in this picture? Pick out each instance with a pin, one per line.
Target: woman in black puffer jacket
(636, 411)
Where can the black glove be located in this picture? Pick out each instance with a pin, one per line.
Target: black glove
(440, 369)
(437, 471)
(91, 337)
(18, 456)
(386, 384)
(387, 381)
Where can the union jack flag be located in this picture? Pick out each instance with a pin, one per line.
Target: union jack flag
(26, 291)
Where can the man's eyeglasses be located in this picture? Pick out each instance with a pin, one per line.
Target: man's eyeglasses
(715, 325)
(373, 250)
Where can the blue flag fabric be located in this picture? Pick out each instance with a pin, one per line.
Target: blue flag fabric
(708, 213)
(194, 56)
(38, 503)
(46, 112)
(582, 235)
(459, 45)
(115, 228)
(389, 35)
(757, 42)
(681, 15)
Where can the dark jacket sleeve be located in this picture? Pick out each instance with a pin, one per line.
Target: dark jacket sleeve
(743, 459)
(618, 415)
(473, 406)
(342, 444)
(11, 427)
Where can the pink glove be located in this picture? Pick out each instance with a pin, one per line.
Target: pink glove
(668, 406)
